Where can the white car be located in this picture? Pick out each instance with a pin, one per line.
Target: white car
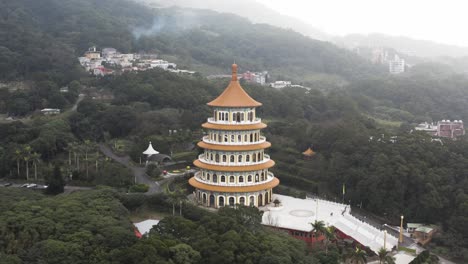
(32, 185)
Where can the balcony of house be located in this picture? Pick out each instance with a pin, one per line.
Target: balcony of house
(236, 183)
(203, 159)
(206, 139)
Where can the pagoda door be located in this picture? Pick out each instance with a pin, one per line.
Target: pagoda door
(212, 200)
(260, 200)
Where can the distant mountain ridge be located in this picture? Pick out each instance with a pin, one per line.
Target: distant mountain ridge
(410, 46)
(252, 10)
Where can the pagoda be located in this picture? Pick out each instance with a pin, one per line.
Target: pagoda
(234, 168)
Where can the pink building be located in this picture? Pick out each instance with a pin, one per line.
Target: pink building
(450, 129)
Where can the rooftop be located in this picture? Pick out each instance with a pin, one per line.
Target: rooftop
(298, 214)
(234, 95)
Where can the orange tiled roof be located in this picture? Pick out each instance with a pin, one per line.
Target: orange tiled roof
(234, 189)
(234, 95)
(256, 167)
(309, 152)
(234, 127)
(263, 145)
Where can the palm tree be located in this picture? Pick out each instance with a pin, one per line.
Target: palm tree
(18, 157)
(176, 197)
(329, 236)
(357, 256)
(87, 145)
(318, 227)
(384, 257)
(36, 158)
(27, 157)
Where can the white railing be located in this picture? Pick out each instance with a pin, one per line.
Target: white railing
(206, 139)
(202, 158)
(245, 122)
(269, 178)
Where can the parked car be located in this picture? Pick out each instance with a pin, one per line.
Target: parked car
(32, 185)
(7, 184)
(25, 185)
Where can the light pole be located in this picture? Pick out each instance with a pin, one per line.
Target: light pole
(385, 239)
(401, 229)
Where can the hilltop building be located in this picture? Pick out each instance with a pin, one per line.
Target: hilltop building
(397, 65)
(234, 168)
(280, 84)
(444, 128)
(255, 77)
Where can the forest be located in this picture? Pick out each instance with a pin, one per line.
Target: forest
(358, 119)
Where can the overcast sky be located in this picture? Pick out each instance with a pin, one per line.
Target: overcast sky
(437, 20)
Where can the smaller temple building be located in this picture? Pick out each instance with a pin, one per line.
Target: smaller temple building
(308, 154)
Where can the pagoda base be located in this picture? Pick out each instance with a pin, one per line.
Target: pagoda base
(220, 199)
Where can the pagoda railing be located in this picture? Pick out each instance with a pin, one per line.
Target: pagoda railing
(246, 122)
(269, 178)
(202, 158)
(206, 139)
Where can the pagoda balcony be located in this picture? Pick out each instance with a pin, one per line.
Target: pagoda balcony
(269, 178)
(206, 139)
(201, 157)
(246, 122)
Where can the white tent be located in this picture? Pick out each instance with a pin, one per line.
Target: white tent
(150, 150)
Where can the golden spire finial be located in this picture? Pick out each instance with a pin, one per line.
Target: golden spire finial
(234, 72)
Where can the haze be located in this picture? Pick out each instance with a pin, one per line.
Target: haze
(440, 21)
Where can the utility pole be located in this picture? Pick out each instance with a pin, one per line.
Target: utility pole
(385, 239)
(401, 229)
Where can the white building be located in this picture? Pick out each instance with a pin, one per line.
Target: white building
(280, 84)
(397, 65)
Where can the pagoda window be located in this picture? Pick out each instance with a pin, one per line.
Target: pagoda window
(256, 177)
(252, 201)
(208, 176)
(232, 201)
(259, 157)
(233, 138)
(239, 138)
(246, 138)
(232, 158)
(232, 179)
(217, 158)
(223, 178)
(224, 158)
(216, 115)
(250, 116)
(241, 178)
(215, 178)
(226, 138)
(263, 176)
(256, 136)
(254, 157)
(249, 178)
(211, 156)
(239, 159)
(247, 158)
(251, 138)
(220, 201)
(242, 116)
(242, 201)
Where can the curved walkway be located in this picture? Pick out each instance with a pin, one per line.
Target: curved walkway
(138, 172)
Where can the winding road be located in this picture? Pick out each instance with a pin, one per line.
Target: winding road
(138, 172)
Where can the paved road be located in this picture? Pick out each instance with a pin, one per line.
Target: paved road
(75, 106)
(138, 172)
